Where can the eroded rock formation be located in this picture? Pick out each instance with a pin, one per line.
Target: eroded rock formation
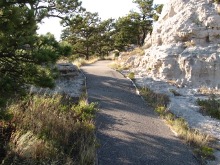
(70, 82)
(184, 46)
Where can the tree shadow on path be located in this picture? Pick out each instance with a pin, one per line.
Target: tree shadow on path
(128, 129)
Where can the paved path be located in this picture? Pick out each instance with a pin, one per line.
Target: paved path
(128, 129)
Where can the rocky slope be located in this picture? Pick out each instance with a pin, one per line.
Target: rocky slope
(184, 45)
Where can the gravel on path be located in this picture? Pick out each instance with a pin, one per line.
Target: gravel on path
(128, 130)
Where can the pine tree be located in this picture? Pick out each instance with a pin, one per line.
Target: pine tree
(26, 58)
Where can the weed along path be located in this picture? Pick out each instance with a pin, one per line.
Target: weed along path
(128, 130)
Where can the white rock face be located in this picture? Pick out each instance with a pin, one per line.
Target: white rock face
(184, 46)
(70, 82)
(182, 21)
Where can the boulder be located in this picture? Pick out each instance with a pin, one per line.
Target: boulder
(67, 69)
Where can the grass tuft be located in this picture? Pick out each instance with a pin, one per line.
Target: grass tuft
(210, 107)
(154, 99)
(81, 61)
(118, 66)
(208, 91)
(131, 75)
(188, 44)
(137, 51)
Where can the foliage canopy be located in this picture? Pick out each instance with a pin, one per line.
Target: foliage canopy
(25, 57)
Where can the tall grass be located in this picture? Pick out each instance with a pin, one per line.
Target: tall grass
(62, 131)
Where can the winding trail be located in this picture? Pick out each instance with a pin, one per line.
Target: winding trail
(128, 130)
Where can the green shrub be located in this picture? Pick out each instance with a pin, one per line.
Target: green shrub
(205, 152)
(161, 110)
(210, 107)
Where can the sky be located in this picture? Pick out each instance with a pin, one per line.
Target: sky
(105, 8)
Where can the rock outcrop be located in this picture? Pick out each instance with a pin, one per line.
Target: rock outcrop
(184, 45)
(71, 82)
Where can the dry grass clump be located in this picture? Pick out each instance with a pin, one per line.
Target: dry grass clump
(115, 65)
(188, 44)
(60, 132)
(180, 126)
(118, 66)
(81, 61)
(200, 142)
(217, 1)
(124, 56)
(172, 82)
(154, 99)
(131, 75)
(137, 51)
(208, 91)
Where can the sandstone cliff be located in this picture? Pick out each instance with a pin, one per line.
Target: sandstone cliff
(184, 45)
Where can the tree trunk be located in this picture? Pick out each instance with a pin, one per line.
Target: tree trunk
(87, 53)
(143, 38)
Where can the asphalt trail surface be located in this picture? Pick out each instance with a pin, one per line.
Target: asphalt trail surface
(128, 130)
